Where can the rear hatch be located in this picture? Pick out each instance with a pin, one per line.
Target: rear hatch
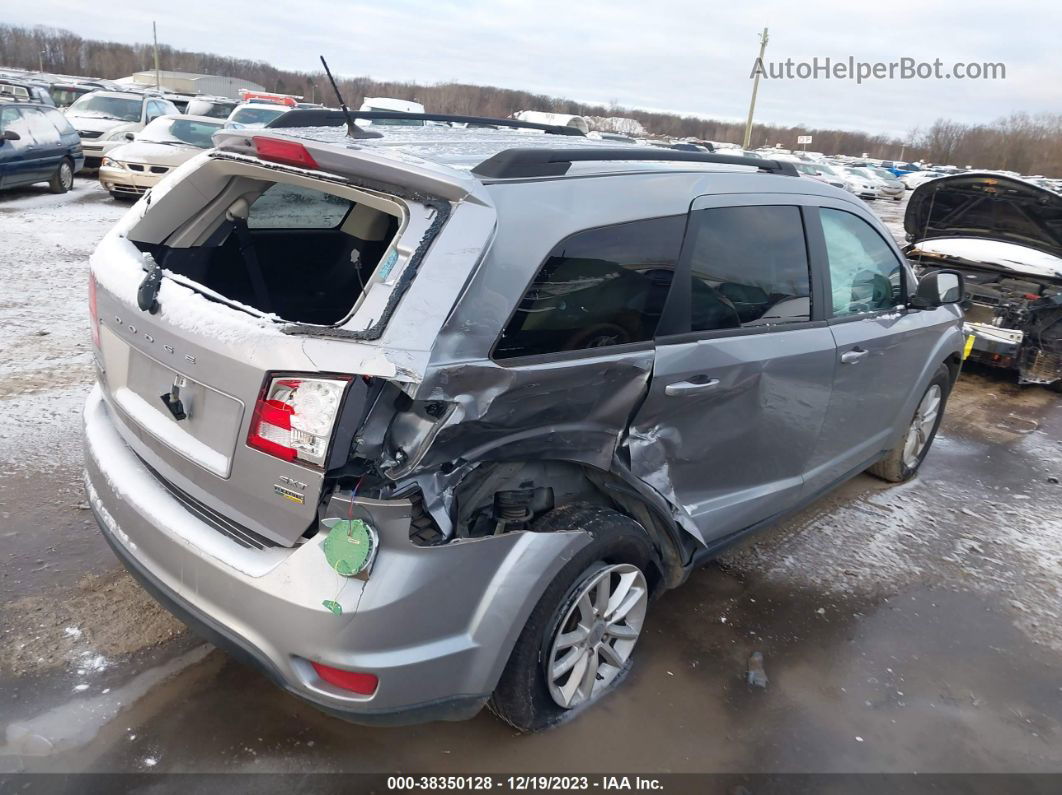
(306, 289)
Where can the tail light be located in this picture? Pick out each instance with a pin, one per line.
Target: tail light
(355, 681)
(295, 416)
(289, 153)
(94, 316)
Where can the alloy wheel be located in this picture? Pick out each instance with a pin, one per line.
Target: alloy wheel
(595, 638)
(925, 419)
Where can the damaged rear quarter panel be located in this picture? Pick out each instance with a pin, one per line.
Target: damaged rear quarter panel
(573, 410)
(573, 405)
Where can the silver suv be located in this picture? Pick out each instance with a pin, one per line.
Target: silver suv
(419, 424)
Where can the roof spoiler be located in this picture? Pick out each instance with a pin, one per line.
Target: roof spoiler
(324, 117)
(523, 163)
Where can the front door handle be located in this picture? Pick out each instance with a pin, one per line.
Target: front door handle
(853, 356)
(688, 387)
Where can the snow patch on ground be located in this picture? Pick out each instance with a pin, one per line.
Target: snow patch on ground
(1007, 546)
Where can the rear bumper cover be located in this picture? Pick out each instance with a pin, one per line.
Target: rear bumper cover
(435, 624)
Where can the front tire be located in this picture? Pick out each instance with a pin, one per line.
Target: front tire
(63, 178)
(901, 463)
(576, 646)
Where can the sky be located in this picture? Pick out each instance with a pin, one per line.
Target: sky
(686, 56)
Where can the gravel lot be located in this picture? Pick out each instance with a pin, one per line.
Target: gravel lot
(911, 628)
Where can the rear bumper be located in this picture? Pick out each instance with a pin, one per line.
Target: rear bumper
(435, 624)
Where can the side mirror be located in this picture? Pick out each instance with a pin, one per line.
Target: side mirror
(130, 136)
(11, 135)
(938, 288)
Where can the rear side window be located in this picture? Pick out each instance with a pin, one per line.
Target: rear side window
(749, 267)
(44, 131)
(294, 207)
(865, 274)
(601, 287)
(59, 121)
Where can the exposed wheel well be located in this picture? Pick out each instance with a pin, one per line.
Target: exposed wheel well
(542, 486)
(954, 365)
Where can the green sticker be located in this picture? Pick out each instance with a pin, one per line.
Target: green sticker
(335, 607)
(348, 546)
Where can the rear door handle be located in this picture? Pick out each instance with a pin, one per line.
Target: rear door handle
(853, 356)
(688, 387)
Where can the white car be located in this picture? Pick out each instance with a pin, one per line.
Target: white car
(394, 106)
(128, 171)
(913, 179)
(865, 186)
(106, 119)
(254, 115)
(888, 185)
(820, 172)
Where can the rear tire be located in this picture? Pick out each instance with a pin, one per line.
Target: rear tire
(63, 178)
(571, 623)
(902, 462)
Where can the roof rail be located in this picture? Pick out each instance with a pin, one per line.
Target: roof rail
(324, 117)
(517, 163)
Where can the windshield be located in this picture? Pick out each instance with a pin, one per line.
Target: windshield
(822, 168)
(121, 108)
(215, 110)
(250, 114)
(883, 173)
(176, 130)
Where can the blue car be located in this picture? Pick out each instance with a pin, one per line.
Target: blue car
(37, 144)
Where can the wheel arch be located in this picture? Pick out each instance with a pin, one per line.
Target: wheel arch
(573, 482)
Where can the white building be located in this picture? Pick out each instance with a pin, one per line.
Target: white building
(190, 83)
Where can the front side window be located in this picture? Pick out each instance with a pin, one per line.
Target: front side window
(11, 119)
(749, 267)
(294, 207)
(865, 274)
(59, 121)
(601, 287)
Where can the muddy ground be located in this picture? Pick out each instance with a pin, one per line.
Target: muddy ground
(911, 628)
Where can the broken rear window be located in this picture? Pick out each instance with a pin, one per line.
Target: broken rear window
(302, 249)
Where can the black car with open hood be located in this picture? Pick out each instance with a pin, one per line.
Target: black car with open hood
(986, 206)
(1005, 236)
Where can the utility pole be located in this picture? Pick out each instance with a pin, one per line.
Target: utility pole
(40, 59)
(155, 36)
(755, 88)
(903, 148)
